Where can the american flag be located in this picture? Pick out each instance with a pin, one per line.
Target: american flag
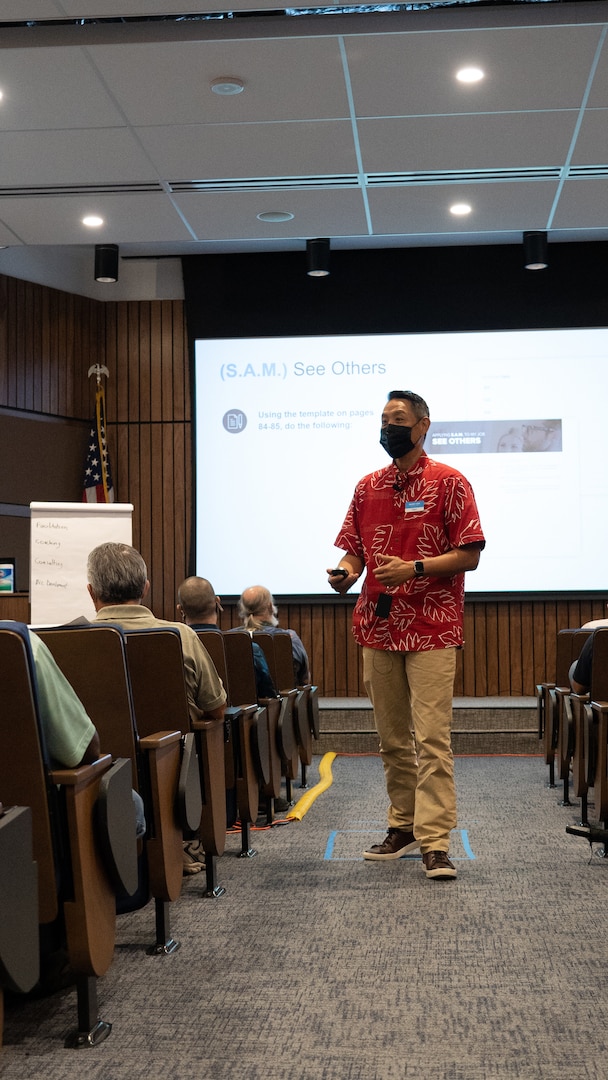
(97, 475)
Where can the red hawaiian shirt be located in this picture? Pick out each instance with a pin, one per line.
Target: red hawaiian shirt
(415, 515)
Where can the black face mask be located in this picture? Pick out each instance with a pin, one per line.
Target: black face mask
(396, 439)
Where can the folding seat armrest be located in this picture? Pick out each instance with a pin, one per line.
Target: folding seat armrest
(160, 739)
(82, 773)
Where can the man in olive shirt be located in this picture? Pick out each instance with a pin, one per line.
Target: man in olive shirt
(118, 584)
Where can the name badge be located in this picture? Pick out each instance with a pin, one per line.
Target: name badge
(410, 506)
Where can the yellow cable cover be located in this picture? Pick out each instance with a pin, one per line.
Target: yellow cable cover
(304, 804)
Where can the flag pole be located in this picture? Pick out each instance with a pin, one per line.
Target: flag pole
(100, 421)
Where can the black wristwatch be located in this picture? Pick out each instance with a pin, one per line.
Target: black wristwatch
(418, 568)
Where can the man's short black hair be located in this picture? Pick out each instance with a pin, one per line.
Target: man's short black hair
(418, 404)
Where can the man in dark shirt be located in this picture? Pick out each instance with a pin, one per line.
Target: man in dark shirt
(200, 608)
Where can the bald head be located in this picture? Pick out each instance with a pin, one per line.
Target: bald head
(197, 601)
(257, 607)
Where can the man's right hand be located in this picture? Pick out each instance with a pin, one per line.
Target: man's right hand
(340, 584)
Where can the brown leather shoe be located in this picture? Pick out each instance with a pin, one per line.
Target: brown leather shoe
(397, 844)
(437, 865)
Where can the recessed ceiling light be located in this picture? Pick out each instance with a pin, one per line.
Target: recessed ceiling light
(275, 215)
(470, 74)
(93, 221)
(227, 85)
(459, 209)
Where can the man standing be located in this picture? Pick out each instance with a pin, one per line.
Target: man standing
(414, 527)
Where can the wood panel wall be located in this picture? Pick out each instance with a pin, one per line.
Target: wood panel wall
(48, 341)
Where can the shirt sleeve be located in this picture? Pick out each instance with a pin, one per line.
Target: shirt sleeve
(263, 680)
(349, 539)
(582, 671)
(300, 659)
(67, 728)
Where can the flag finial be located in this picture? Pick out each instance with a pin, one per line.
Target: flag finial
(98, 370)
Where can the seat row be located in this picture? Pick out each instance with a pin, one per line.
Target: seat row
(573, 729)
(195, 776)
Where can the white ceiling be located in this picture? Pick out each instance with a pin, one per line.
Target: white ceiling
(352, 122)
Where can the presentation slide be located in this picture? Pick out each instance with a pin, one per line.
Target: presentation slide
(285, 427)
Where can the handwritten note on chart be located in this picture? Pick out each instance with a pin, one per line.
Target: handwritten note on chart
(62, 535)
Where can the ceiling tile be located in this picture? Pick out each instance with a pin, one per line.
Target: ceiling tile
(59, 220)
(233, 215)
(52, 88)
(79, 157)
(466, 142)
(582, 204)
(408, 74)
(172, 85)
(495, 207)
(591, 147)
(251, 150)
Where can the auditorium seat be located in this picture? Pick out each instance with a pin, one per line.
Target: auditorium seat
(19, 954)
(76, 898)
(164, 701)
(288, 740)
(550, 706)
(267, 715)
(590, 723)
(279, 653)
(93, 659)
(242, 761)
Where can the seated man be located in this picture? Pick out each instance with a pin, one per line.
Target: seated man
(200, 608)
(580, 669)
(71, 736)
(118, 584)
(258, 611)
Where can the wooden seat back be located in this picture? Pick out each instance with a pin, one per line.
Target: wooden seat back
(242, 690)
(549, 706)
(240, 670)
(278, 650)
(93, 659)
(23, 759)
(597, 729)
(214, 644)
(71, 874)
(565, 715)
(156, 668)
(279, 672)
(213, 640)
(19, 959)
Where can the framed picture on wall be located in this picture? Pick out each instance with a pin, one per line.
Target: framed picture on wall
(7, 576)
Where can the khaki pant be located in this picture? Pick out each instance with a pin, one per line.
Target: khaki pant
(411, 694)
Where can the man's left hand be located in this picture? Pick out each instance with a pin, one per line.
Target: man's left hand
(391, 570)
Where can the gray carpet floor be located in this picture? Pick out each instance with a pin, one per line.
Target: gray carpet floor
(317, 965)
